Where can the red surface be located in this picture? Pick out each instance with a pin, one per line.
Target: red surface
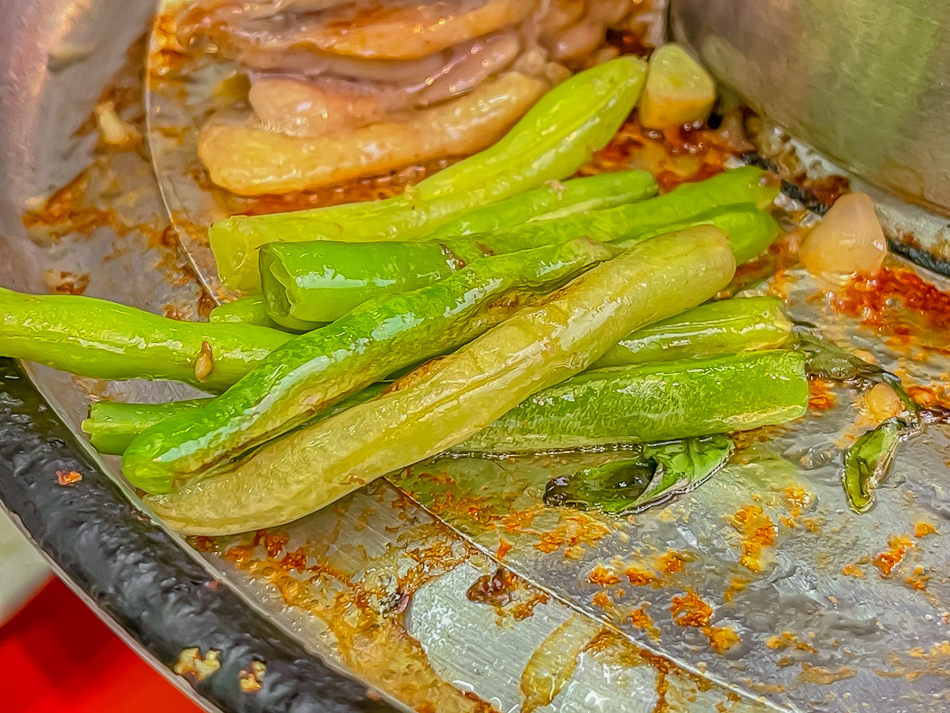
(58, 657)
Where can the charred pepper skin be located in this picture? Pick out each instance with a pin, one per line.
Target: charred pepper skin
(451, 399)
(105, 340)
(317, 369)
(551, 142)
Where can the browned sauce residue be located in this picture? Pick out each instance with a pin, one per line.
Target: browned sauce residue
(824, 676)
(789, 640)
(852, 570)
(63, 282)
(886, 561)
(671, 563)
(603, 577)
(496, 589)
(758, 532)
(918, 580)
(819, 396)
(640, 577)
(68, 477)
(690, 610)
(722, 639)
(872, 299)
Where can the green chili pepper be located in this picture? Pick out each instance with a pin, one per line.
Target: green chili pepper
(655, 402)
(551, 201)
(551, 142)
(247, 310)
(751, 231)
(867, 463)
(448, 400)
(112, 425)
(307, 283)
(319, 368)
(637, 221)
(104, 340)
(714, 329)
(319, 281)
(657, 473)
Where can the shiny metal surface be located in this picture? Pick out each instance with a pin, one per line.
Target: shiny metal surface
(862, 81)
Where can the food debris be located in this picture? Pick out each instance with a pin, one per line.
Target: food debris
(824, 676)
(249, 681)
(63, 282)
(922, 529)
(640, 619)
(690, 610)
(190, 663)
(898, 547)
(274, 541)
(113, 130)
(204, 365)
(602, 600)
(758, 532)
(820, 397)
(918, 580)
(883, 403)
(797, 499)
(639, 577)
(495, 589)
(672, 562)
(852, 570)
(722, 638)
(574, 529)
(603, 577)
(872, 298)
(296, 560)
(504, 547)
(68, 477)
(789, 640)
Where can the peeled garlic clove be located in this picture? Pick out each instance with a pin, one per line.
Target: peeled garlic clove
(677, 91)
(849, 241)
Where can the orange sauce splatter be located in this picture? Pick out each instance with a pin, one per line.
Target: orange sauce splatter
(504, 547)
(640, 619)
(602, 600)
(639, 577)
(918, 580)
(603, 577)
(889, 559)
(852, 570)
(922, 529)
(872, 299)
(758, 532)
(671, 562)
(722, 639)
(68, 477)
(690, 610)
(819, 397)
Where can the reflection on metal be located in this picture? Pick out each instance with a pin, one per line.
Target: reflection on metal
(862, 81)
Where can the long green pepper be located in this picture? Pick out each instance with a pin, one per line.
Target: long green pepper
(105, 340)
(655, 402)
(317, 369)
(312, 282)
(443, 403)
(552, 141)
(714, 329)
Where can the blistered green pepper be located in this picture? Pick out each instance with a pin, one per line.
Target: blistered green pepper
(551, 142)
(105, 340)
(654, 402)
(446, 401)
(317, 369)
(714, 329)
